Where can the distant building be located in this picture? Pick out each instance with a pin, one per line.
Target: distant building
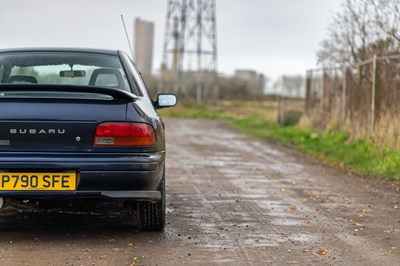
(246, 75)
(144, 45)
(255, 81)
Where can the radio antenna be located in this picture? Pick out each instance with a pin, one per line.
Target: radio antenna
(127, 37)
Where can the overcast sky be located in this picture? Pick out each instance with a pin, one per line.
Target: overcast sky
(273, 37)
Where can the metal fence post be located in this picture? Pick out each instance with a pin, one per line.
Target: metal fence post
(344, 94)
(373, 118)
(323, 94)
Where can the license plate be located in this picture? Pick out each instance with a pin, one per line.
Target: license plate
(37, 181)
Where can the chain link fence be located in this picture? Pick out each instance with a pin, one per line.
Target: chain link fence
(363, 99)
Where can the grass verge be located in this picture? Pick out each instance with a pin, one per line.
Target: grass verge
(360, 157)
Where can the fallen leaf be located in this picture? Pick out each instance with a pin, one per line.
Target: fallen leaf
(133, 262)
(322, 252)
(361, 212)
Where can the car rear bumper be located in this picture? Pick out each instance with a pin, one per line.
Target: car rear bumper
(116, 175)
(152, 196)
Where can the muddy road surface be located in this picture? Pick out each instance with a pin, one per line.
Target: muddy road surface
(231, 201)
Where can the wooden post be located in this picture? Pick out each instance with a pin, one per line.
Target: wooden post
(374, 73)
(322, 104)
(281, 110)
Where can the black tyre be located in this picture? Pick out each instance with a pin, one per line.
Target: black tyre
(152, 215)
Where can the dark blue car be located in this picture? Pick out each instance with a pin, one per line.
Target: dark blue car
(77, 124)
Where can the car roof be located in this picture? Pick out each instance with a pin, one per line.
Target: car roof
(60, 49)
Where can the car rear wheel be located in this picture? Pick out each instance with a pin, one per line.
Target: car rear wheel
(152, 215)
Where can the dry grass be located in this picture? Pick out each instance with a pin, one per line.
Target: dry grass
(230, 110)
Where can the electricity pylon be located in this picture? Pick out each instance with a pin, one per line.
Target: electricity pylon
(190, 49)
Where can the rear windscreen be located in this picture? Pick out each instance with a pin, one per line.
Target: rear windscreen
(63, 68)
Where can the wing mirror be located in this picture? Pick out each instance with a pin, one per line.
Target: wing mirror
(165, 100)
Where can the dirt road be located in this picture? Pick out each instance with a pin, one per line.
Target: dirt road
(231, 201)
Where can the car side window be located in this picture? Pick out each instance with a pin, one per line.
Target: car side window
(138, 86)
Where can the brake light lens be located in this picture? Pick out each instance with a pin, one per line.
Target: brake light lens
(124, 134)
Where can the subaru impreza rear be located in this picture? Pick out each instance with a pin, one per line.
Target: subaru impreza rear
(79, 124)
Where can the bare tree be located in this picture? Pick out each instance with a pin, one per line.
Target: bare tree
(362, 28)
(387, 18)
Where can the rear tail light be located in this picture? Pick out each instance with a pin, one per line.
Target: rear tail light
(124, 134)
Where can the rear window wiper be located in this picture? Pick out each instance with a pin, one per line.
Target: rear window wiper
(116, 94)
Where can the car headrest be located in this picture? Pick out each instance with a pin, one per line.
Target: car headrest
(22, 79)
(107, 71)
